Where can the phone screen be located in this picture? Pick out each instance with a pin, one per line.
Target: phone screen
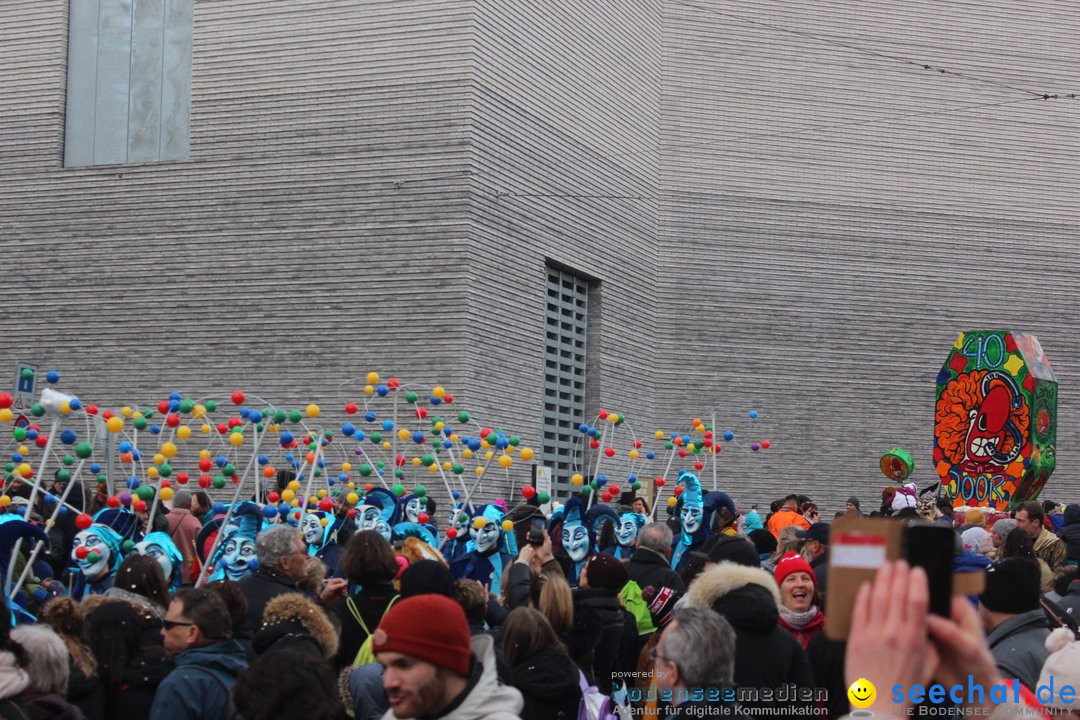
(931, 547)
(536, 531)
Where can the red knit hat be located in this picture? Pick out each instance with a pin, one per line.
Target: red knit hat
(792, 563)
(431, 628)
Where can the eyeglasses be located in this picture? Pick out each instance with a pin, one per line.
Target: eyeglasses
(170, 624)
(653, 655)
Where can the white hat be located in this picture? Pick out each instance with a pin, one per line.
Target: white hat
(1062, 667)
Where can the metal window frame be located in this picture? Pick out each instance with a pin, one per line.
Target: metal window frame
(566, 316)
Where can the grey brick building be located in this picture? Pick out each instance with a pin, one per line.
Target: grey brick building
(793, 207)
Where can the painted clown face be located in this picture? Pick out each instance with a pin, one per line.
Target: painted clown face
(575, 540)
(238, 557)
(94, 544)
(312, 528)
(691, 518)
(485, 537)
(627, 531)
(155, 551)
(413, 508)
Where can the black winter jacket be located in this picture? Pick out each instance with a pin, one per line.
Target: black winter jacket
(597, 634)
(766, 655)
(648, 567)
(261, 587)
(134, 695)
(550, 685)
(371, 602)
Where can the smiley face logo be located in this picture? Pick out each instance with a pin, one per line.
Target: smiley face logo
(862, 693)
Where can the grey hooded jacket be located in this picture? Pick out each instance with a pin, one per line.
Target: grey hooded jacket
(1018, 646)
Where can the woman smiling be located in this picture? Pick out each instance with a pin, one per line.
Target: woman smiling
(798, 586)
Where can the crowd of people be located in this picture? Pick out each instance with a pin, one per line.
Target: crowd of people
(194, 609)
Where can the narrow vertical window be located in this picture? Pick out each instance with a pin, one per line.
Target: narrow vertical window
(564, 374)
(128, 82)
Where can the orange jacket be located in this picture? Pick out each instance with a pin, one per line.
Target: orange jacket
(786, 516)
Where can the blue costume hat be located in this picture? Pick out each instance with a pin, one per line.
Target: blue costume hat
(716, 501)
(12, 529)
(572, 510)
(123, 522)
(691, 489)
(410, 529)
(557, 516)
(386, 502)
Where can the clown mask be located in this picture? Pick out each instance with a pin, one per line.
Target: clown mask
(155, 551)
(312, 528)
(691, 518)
(238, 557)
(366, 516)
(627, 531)
(413, 508)
(485, 537)
(575, 540)
(96, 547)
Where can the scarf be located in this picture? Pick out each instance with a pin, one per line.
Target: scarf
(798, 620)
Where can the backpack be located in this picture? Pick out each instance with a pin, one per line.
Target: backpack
(595, 705)
(635, 603)
(227, 683)
(365, 654)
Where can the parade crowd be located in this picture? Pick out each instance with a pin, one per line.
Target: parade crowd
(598, 610)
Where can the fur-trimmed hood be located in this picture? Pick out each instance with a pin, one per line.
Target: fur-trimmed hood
(292, 613)
(748, 597)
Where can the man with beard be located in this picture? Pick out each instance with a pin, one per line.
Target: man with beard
(432, 670)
